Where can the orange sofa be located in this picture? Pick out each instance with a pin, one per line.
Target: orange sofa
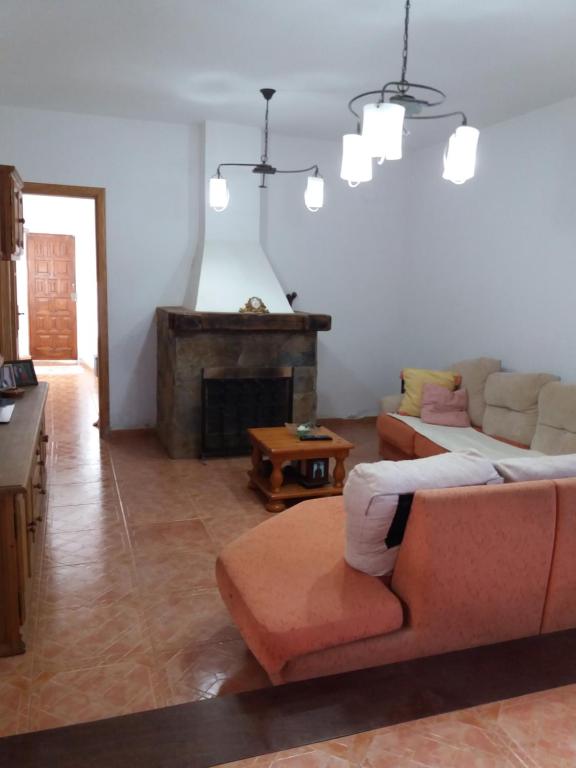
(478, 565)
(398, 441)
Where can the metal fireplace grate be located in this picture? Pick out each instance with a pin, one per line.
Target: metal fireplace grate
(235, 399)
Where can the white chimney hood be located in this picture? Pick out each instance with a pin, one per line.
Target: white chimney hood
(230, 265)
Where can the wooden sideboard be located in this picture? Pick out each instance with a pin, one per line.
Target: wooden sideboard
(22, 509)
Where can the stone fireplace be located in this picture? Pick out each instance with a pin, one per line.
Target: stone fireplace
(209, 332)
(191, 343)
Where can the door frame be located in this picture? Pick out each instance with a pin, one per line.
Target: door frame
(98, 194)
(74, 345)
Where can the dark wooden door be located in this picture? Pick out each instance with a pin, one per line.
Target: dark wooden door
(52, 297)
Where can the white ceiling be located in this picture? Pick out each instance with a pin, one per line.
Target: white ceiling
(190, 60)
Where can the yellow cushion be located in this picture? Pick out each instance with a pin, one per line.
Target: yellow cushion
(414, 380)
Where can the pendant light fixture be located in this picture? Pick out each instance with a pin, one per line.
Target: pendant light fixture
(219, 195)
(356, 160)
(381, 128)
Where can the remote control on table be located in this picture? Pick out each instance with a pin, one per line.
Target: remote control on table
(315, 437)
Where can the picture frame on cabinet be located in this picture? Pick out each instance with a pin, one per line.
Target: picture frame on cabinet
(7, 377)
(24, 373)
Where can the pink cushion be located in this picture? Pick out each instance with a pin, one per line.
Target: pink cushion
(441, 406)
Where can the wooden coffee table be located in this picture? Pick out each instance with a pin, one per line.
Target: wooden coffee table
(280, 446)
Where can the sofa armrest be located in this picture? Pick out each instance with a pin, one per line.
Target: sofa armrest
(390, 403)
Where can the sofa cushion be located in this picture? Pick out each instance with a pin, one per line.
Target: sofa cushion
(290, 591)
(537, 468)
(440, 406)
(464, 439)
(414, 380)
(556, 427)
(372, 494)
(474, 373)
(512, 405)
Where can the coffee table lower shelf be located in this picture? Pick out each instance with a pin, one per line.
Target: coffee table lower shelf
(289, 491)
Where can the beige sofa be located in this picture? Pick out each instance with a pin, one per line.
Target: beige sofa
(529, 410)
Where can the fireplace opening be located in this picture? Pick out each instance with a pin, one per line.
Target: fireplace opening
(235, 399)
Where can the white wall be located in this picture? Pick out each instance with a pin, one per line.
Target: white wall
(413, 270)
(65, 216)
(343, 260)
(151, 227)
(491, 266)
(340, 260)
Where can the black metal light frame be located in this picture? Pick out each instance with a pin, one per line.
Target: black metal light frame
(398, 91)
(263, 167)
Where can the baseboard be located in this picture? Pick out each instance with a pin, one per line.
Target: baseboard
(120, 433)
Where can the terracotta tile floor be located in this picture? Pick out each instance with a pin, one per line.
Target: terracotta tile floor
(125, 615)
(535, 731)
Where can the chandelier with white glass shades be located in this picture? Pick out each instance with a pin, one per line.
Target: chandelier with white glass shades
(380, 130)
(219, 195)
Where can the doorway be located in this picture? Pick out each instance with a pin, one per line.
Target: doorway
(62, 282)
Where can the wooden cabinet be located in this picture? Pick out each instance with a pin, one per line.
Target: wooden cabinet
(11, 246)
(23, 494)
(11, 213)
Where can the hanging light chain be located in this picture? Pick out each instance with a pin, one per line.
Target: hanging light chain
(264, 157)
(403, 81)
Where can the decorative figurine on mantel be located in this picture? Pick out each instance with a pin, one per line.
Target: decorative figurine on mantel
(255, 306)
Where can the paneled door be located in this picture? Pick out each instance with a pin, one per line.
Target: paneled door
(52, 297)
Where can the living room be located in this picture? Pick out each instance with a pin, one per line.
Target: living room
(411, 269)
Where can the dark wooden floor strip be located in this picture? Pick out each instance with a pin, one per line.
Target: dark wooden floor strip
(220, 730)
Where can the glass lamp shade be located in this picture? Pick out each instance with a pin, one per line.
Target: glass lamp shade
(382, 130)
(218, 194)
(460, 155)
(314, 193)
(356, 160)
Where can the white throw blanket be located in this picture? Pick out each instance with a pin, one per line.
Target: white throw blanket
(465, 439)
